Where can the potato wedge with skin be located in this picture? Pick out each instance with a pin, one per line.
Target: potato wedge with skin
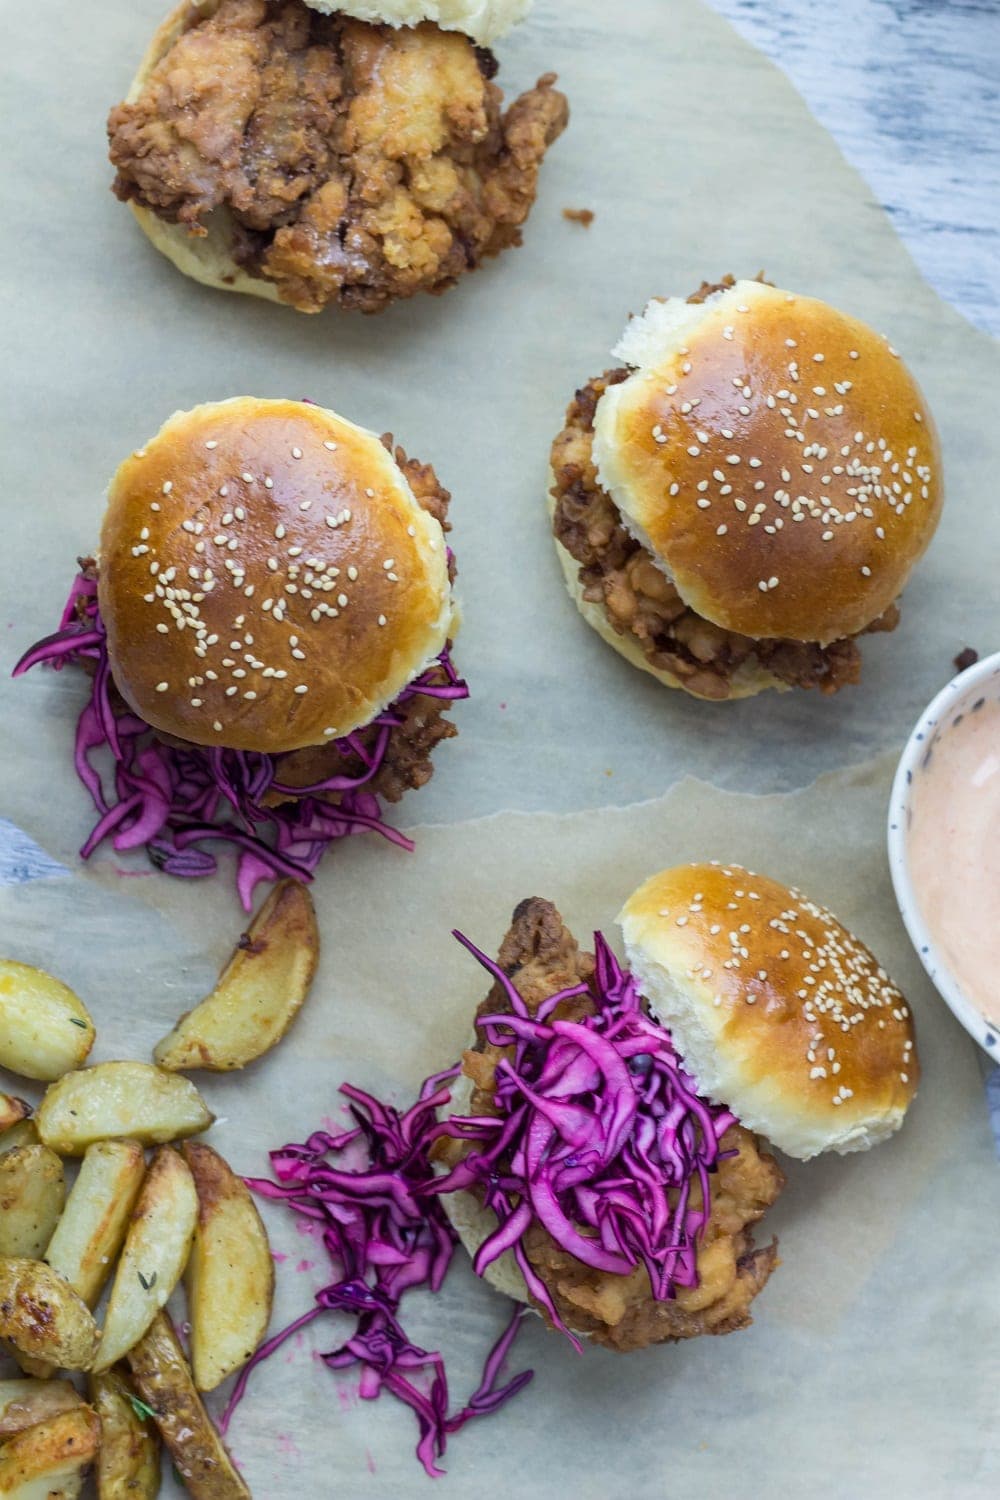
(50, 1461)
(24, 1403)
(45, 1030)
(153, 1257)
(32, 1194)
(119, 1099)
(128, 1465)
(21, 1134)
(91, 1232)
(230, 1274)
(163, 1379)
(12, 1111)
(43, 1318)
(257, 995)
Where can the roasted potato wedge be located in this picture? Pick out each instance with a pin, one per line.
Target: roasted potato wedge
(32, 1194)
(128, 1465)
(90, 1233)
(153, 1257)
(43, 1317)
(12, 1111)
(21, 1134)
(39, 1369)
(24, 1403)
(45, 1030)
(257, 995)
(50, 1461)
(119, 1099)
(163, 1379)
(230, 1274)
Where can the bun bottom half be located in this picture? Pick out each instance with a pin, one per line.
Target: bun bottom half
(747, 681)
(204, 257)
(472, 1222)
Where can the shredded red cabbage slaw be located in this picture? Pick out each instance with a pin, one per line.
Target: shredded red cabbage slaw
(173, 799)
(387, 1234)
(599, 1136)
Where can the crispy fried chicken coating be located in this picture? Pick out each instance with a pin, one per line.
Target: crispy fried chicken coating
(358, 163)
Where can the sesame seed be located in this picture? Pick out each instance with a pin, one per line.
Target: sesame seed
(328, 444)
(301, 688)
(296, 452)
(211, 443)
(382, 620)
(161, 687)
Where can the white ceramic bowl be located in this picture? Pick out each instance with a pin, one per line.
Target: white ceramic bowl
(953, 702)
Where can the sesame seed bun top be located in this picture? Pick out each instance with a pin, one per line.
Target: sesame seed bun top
(777, 1009)
(776, 456)
(267, 578)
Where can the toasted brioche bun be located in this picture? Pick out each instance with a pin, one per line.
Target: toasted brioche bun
(748, 679)
(778, 1011)
(777, 458)
(267, 578)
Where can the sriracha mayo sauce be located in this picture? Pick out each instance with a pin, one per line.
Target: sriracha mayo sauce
(954, 847)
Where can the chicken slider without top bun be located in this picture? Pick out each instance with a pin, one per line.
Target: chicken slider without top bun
(317, 153)
(267, 627)
(747, 494)
(604, 1140)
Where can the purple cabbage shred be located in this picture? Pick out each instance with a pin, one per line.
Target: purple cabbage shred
(172, 799)
(387, 1234)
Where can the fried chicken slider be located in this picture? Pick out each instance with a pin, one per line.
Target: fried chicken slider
(315, 153)
(607, 1146)
(267, 625)
(747, 493)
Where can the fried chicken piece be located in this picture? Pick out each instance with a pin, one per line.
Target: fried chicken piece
(358, 163)
(542, 957)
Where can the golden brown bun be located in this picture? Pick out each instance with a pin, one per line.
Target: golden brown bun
(778, 458)
(266, 577)
(777, 1010)
(749, 678)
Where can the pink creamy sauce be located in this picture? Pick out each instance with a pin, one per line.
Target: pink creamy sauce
(954, 848)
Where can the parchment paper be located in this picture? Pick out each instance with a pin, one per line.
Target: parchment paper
(697, 157)
(873, 1365)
